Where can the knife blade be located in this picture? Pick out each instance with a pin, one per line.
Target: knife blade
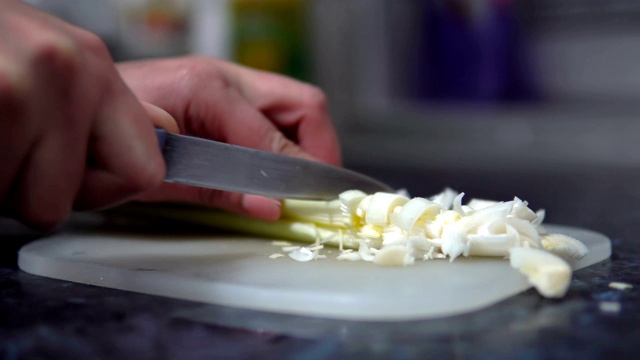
(215, 165)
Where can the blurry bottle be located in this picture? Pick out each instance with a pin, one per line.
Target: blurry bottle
(473, 50)
(153, 28)
(271, 35)
(210, 28)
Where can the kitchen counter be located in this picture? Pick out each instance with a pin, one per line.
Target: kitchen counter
(45, 318)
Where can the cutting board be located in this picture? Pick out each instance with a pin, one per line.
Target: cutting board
(237, 272)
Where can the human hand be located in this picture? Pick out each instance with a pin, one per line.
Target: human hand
(71, 133)
(222, 101)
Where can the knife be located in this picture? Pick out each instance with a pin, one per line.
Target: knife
(215, 165)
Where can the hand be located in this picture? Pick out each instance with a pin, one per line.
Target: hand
(71, 133)
(226, 102)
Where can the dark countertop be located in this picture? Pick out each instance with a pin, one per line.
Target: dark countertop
(45, 318)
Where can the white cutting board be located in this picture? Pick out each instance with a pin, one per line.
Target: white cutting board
(237, 272)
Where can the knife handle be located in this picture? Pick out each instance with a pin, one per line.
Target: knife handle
(162, 138)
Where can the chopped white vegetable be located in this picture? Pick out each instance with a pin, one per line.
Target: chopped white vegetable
(620, 285)
(281, 243)
(522, 211)
(394, 256)
(361, 212)
(455, 236)
(457, 205)
(290, 248)
(565, 246)
(548, 273)
(478, 204)
(381, 206)
(392, 230)
(494, 243)
(352, 256)
(445, 198)
(302, 254)
(609, 306)
(414, 213)
(275, 256)
(364, 251)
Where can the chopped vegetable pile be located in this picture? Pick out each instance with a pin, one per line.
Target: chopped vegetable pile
(393, 230)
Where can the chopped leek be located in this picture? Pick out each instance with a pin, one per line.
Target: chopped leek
(393, 230)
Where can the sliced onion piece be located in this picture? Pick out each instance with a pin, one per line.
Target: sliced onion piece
(394, 256)
(321, 212)
(381, 205)
(349, 201)
(349, 256)
(371, 231)
(537, 222)
(522, 211)
(392, 236)
(523, 228)
(361, 212)
(302, 254)
(290, 248)
(494, 243)
(445, 198)
(565, 246)
(526, 230)
(364, 251)
(281, 243)
(477, 204)
(548, 273)
(457, 205)
(454, 236)
(433, 229)
(415, 211)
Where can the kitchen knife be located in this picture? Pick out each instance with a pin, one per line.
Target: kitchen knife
(211, 164)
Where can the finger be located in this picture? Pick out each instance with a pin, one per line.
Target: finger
(13, 103)
(50, 172)
(248, 205)
(161, 118)
(44, 189)
(292, 106)
(242, 132)
(125, 156)
(217, 109)
(239, 123)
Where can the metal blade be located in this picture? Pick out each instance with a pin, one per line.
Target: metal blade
(211, 164)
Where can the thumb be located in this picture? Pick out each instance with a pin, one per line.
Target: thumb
(161, 118)
(277, 142)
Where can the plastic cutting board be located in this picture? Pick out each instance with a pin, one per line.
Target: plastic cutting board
(238, 272)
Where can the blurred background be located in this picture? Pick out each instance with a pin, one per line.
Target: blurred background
(425, 94)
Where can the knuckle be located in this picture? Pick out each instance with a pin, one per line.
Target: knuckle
(200, 71)
(315, 98)
(14, 88)
(219, 199)
(92, 43)
(209, 197)
(278, 143)
(59, 52)
(147, 177)
(68, 55)
(44, 216)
